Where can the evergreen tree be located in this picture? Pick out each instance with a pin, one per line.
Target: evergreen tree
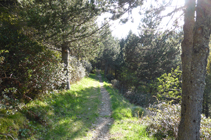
(109, 55)
(67, 25)
(195, 50)
(120, 61)
(152, 53)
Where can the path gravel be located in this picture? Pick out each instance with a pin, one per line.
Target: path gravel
(101, 128)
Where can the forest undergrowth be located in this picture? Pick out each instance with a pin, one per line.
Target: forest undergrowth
(56, 115)
(159, 119)
(71, 114)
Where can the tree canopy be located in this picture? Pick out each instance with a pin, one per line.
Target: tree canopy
(47, 44)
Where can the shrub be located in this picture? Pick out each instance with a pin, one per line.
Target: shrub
(139, 98)
(87, 65)
(77, 71)
(110, 77)
(164, 119)
(115, 83)
(27, 66)
(169, 86)
(138, 111)
(93, 71)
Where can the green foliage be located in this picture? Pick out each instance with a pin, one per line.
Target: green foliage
(126, 124)
(163, 121)
(169, 85)
(8, 19)
(87, 65)
(128, 78)
(108, 56)
(60, 115)
(109, 77)
(115, 83)
(143, 58)
(121, 108)
(64, 23)
(67, 114)
(140, 98)
(77, 70)
(148, 56)
(27, 66)
(139, 111)
(11, 125)
(205, 128)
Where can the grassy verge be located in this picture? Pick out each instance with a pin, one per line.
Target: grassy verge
(57, 115)
(11, 124)
(126, 126)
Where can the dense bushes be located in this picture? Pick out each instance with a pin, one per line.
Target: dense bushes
(115, 83)
(28, 68)
(109, 77)
(87, 65)
(167, 88)
(77, 71)
(164, 119)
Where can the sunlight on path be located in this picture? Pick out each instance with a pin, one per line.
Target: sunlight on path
(101, 128)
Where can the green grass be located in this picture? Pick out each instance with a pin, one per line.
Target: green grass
(11, 124)
(126, 124)
(58, 115)
(70, 114)
(128, 130)
(121, 108)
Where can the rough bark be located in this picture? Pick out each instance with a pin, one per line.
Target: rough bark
(65, 56)
(195, 50)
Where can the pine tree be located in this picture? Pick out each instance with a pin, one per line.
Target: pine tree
(152, 53)
(67, 25)
(195, 50)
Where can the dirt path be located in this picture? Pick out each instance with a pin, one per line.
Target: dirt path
(101, 128)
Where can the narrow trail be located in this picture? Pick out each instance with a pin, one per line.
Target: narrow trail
(101, 130)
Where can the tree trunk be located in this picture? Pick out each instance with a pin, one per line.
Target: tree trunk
(65, 56)
(195, 50)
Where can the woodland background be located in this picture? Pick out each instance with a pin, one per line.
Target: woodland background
(47, 45)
